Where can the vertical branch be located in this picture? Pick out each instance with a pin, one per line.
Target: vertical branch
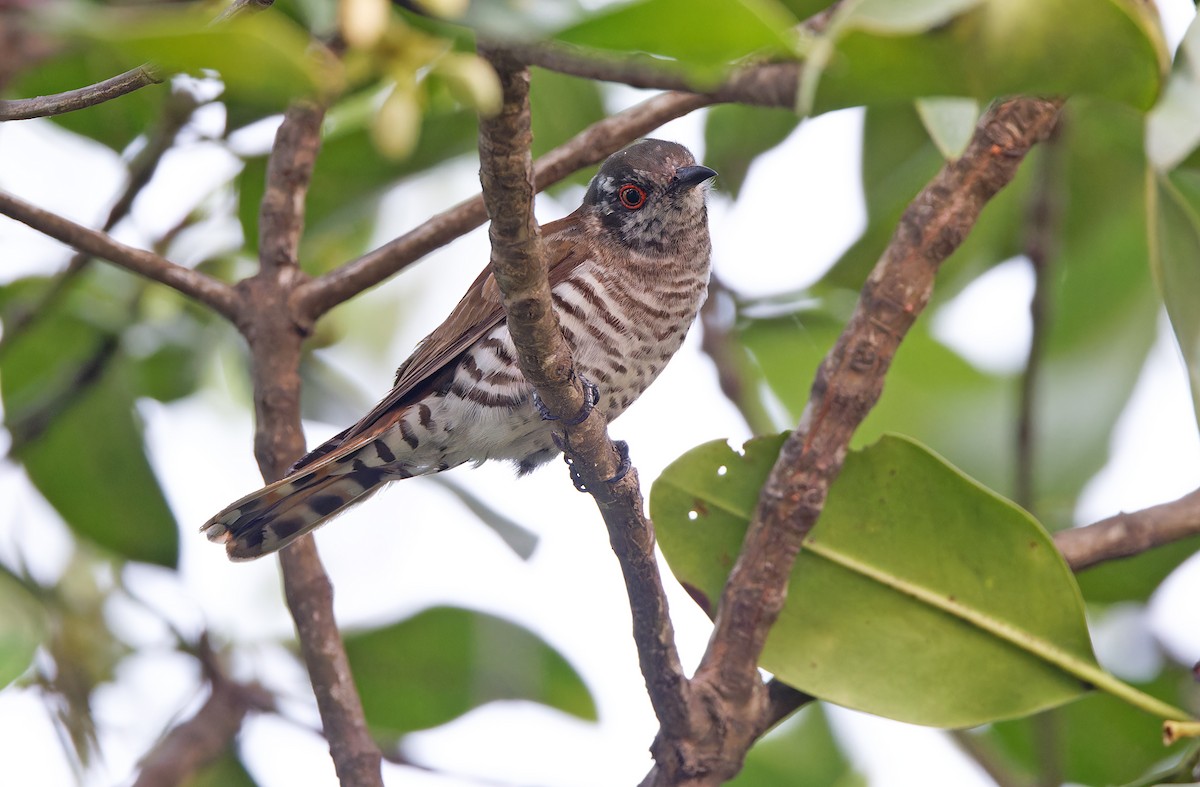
(275, 336)
(1041, 239)
(506, 173)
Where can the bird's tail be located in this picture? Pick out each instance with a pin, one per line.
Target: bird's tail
(276, 515)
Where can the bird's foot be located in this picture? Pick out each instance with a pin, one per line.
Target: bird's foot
(622, 469)
(591, 397)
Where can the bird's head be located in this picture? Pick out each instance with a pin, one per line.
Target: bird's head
(650, 196)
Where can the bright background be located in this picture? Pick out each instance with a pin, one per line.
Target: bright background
(415, 545)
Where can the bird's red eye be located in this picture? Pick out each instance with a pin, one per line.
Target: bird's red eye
(631, 196)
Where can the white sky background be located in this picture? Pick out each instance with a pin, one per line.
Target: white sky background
(414, 546)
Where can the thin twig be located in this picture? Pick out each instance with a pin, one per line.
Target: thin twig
(205, 289)
(176, 113)
(590, 146)
(113, 87)
(1125, 535)
(506, 173)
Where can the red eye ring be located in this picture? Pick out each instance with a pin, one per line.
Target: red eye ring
(631, 196)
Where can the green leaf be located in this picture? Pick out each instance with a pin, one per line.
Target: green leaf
(445, 661)
(734, 135)
(1135, 578)
(705, 35)
(69, 399)
(950, 122)
(1101, 740)
(1174, 202)
(920, 596)
(22, 628)
(349, 177)
(802, 750)
(262, 59)
(1173, 125)
(880, 50)
(561, 106)
(226, 771)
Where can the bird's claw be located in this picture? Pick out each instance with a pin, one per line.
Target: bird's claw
(591, 397)
(622, 469)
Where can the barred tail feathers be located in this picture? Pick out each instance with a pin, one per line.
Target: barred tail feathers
(276, 515)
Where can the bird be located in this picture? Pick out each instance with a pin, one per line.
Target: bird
(628, 272)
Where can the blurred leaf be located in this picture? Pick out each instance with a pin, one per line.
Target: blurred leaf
(262, 59)
(226, 771)
(520, 539)
(350, 176)
(801, 751)
(68, 393)
(561, 106)
(704, 35)
(112, 123)
(1174, 201)
(734, 135)
(1173, 125)
(445, 661)
(22, 628)
(921, 596)
(1101, 739)
(950, 123)
(1135, 578)
(886, 51)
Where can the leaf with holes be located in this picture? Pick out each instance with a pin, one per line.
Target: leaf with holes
(920, 596)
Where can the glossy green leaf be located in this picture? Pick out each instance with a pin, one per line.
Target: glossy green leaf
(707, 35)
(69, 398)
(802, 750)
(887, 51)
(1175, 254)
(920, 596)
(262, 59)
(735, 134)
(1173, 125)
(22, 627)
(443, 662)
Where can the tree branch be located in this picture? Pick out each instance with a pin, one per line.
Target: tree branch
(506, 173)
(205, 289)
(847, 385)
(275, 337)
(590, 146)
(113, 87)
(206, 736)
(1125, 535)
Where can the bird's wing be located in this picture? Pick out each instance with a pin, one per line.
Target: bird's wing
(479, 311)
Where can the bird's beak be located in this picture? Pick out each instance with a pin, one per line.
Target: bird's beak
(689, 177)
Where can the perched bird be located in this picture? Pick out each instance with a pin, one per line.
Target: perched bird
(628, 272)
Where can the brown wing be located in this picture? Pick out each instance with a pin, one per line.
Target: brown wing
(478, 312)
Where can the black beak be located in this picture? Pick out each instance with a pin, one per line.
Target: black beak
(690, 177)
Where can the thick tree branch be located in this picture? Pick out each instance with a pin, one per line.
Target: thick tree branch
(590, 146)
(275, 337)
(205, 289)
(847, 385)
(506, 173)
